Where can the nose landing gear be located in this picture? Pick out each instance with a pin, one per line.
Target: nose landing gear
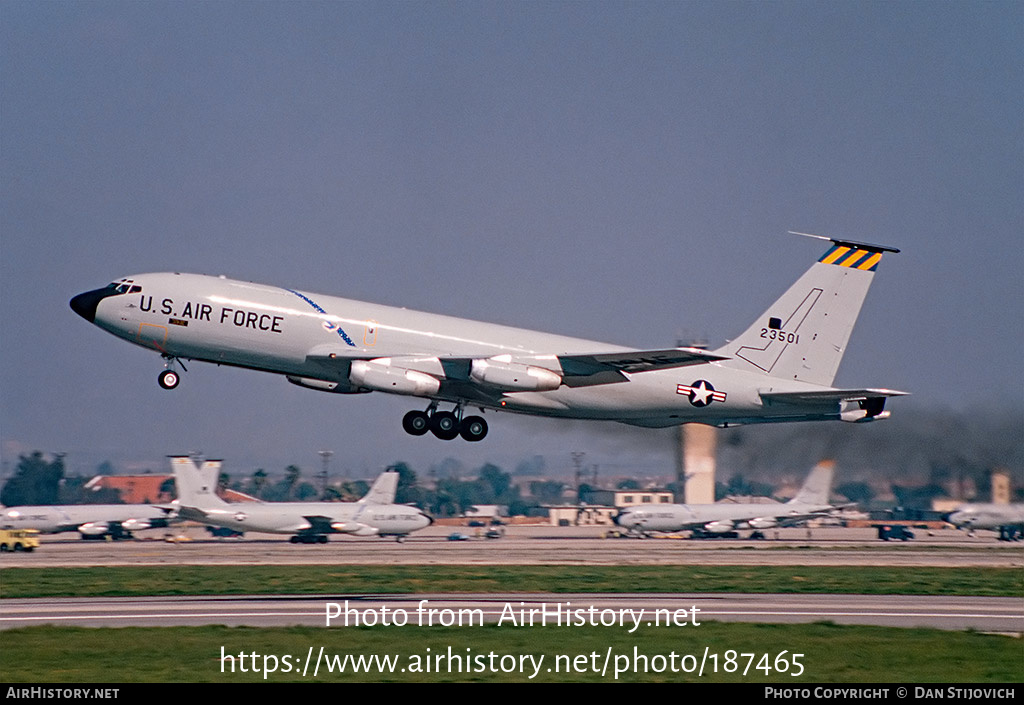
(169, 378)
(445, 425)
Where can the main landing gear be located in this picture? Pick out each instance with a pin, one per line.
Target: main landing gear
(169, 378)
(308, 538)
(446, 425)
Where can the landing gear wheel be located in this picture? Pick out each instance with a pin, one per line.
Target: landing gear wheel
(473, 428)
(444, 425)
(168, 379)
(416, 423)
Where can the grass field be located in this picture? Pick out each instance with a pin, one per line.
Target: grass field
(830, 654)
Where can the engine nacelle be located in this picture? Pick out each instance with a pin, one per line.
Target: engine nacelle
(504, 374)
(865, 410)
(324, 386)
(763, 523)
(136, 524)
(94, 528)
(355, 528)
(861, 416)
(718, 527)
(384, 377)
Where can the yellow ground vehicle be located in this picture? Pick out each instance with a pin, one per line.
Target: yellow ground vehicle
(18, 540)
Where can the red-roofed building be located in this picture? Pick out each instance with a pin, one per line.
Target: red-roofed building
(136, 489)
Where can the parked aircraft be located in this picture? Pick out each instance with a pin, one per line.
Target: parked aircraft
(811, 501)
(780, 369)
(92, 521)
(1007, 519)
(307, 522)
(97, 521)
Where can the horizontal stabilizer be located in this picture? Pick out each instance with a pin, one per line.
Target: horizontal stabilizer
(829, 395)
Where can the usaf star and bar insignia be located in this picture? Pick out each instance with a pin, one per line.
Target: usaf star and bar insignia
(701, 393)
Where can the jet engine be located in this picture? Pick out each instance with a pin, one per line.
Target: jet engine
(718, 527)
(504, 374)
(763, 523)
(384, 377)
(94, 528)
(866, 410)
(136, 524)
(355, 528)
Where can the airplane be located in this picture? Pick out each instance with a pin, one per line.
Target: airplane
(97, 521)
(811, 501)
(1007, 519)
(779, 370)
(92, 521)
(375, 514)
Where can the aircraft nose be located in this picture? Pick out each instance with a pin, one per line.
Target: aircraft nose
(85, 304)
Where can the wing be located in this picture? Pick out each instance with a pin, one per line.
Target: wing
(587, 370)
(487, 379)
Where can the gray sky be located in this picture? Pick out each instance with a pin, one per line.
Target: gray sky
(623, 172)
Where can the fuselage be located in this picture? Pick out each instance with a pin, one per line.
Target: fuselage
(293, 333)
(95, 518)
(361, 519)
(988, 516)
(721, 516)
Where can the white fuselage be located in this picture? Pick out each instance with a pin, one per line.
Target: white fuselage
(87, 518)
(722, 516)
(314, 339)
(358, 518)
(988, 516)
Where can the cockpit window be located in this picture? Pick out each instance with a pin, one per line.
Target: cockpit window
(125, 286)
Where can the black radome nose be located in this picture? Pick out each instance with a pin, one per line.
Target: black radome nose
(85, 304)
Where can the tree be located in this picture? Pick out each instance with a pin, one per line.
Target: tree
(36, 481)
(859, 492)
(408, 491)
(259, 481)
(547, 491)
(496, 480)
(291, 479)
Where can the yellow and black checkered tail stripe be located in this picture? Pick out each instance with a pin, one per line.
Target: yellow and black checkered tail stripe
(852, 257)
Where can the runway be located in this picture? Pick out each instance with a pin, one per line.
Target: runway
(535, 545)
(625, 611)
(528, 545)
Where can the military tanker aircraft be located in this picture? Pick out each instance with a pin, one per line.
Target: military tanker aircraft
(307, 522)
(779, 370)
(722, 517)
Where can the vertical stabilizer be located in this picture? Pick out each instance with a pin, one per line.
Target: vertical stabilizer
(803, 335)
(383, 489)
(818, 485)
(196, 488)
